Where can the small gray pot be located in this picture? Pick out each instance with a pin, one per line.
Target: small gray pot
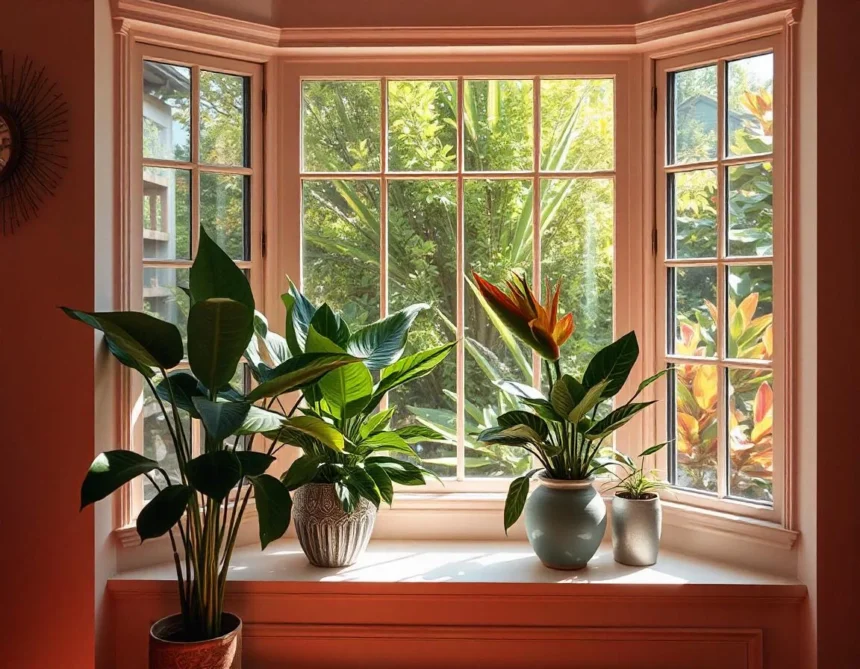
(329, 536)
(565, 522)
(636, 528)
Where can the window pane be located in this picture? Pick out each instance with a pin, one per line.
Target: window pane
(341, 247)
(750, 100)
(166, 213)
(694, 197)
(751, 434)
(750, 319)
(223, 211)
(422, 233)
(499, 125)
(696, 426)
(422, 126)
(750, 206)
(223, 131)
(577, 219)
(164, 298)
(694, 290)
(694, 115)
(157, 443)
(498, 219)
(166, 111)
(577, 124)
(341, 125)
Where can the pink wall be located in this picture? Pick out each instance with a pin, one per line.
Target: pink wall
(46, 398)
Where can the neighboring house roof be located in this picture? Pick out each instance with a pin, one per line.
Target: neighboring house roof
(696, 100)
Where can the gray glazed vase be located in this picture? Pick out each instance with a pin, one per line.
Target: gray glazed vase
(329, 536)
(565, 522)
(636, 528)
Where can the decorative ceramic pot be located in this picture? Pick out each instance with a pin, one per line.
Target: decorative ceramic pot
(565, 522)
(168, 651)
(636, 528)
(331, 537)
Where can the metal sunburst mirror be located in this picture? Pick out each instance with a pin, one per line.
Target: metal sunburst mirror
(33, 131)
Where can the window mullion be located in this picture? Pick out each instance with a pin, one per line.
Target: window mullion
(383, 213)
(722, 298)
(536, 223)
(195, 158)
(461, 289)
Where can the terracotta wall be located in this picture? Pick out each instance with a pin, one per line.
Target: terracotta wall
(46, 397)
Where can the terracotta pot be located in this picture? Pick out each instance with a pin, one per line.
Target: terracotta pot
(167, 651)
(329, 536)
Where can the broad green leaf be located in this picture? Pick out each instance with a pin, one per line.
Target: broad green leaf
(651, 379)
(185, 388)
(214, 474)
(362, 482)
(613, 364)
(298, 372)
(534, 423)
(590, 400)
(303, 470)
(388, 441)
(347, 496)
(347, 389)
(383, 482)
(410, 368)
(163, 511)
(382, 343)
(399, 471)
(615, 419)
(500, 435)
(299, 314)
(566, 393)
(219, 330)
(136, 340)
(330, 325)
(520, 390)
(323, 432)
(111, 470)
(653, 449)
(125, 359)
(516, 498)
(221, 419)
(261, 421)
(266, 349)
(412, 434)
(377, 422)
(274, 507)
(215, 276)
(254, 463)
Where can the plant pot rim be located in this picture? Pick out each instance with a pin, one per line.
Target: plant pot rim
(650, 500)
(227, 619)
(565, 484)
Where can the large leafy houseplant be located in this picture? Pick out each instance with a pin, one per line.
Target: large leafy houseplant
(201, 509)
(370, 456)
(565, 432)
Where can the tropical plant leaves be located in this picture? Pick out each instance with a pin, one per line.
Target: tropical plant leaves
(410, 368)
(382, 481)
(566, 393)
(254, 463)
(615, 419)
(387, 441)
(534, 423)
(219, 330)
(298, 372)
(302, 471)
(313, 427)
(185, 388)
(300, 312)
(330, 325)
(412, 434)
(163, 511)
(214, 275)
(590, 400)
(362, 482)
(382, 343)
(221, 419)
(613, 364)
(399, 471)
(274, 507)
(111, 470)
(214, 474)
(515, 501)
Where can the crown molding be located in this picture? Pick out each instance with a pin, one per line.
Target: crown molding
(151, 18)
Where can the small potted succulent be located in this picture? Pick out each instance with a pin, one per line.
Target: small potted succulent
(637, 519)
(337, 491)
(566, 432)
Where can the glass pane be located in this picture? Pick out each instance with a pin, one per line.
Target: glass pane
(341, 247)
(694, 115)
(422, 234)
(577, 219)
(498, 219)
(499, 125)
(694, 197)
(157, 443)
(577, 124)
(223, 129)
(696, 426)
(751, 434)
(750, 320)
(341, 125)
(166, 111)
(164, 298)
(422, 126)
(695, 298)
(750, 205)
(223, 211)
(750, 100)
(166, 213)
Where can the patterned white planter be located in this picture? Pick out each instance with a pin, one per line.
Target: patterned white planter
(329, 536)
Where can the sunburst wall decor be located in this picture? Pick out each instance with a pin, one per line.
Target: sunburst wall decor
(33, 133)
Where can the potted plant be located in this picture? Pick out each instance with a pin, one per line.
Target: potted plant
(565, 432)
(637, 519)
(337, 491)
(201, 508)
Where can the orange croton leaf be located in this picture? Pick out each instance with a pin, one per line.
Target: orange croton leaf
(763, 413)
(747, 308)
(767, 340)
(712, 310)
(705, 387)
